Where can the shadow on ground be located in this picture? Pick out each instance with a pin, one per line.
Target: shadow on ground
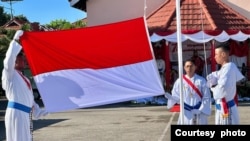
(37, 124)
(41, 123)
(244, 103)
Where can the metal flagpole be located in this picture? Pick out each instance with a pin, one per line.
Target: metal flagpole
(11, 2)
(145, 8)
(180, 60)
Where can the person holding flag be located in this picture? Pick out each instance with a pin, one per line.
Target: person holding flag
(21, 106)
(196, 96)
(223, 87)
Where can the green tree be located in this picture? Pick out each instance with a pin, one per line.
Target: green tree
(5, 40)
(59, 24)
(7, 36)
(22, 18)
(63, 24)
(26, 27)
(4, 18)
(4, 43)
(79, 24)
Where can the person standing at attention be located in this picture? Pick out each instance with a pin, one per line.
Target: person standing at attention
(21, 104)
(223, 86)
(196, 96)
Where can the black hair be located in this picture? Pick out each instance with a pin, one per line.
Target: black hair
(21, 53)
(224, 46)
(189, 60)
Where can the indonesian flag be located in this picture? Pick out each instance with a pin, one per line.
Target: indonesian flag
(92, 66)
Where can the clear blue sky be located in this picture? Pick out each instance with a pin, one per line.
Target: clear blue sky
(44, 11)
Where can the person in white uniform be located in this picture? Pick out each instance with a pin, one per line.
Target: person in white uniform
(223, 87)
(196, 96)
(21, 104)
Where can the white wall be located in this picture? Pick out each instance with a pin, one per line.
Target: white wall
(241, 6)
(108, 11)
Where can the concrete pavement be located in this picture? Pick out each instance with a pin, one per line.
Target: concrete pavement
(115, 122)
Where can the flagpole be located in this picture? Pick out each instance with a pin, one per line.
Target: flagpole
(180, 60)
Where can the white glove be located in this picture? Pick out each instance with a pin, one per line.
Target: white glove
(171, 100)
(168, 96)
(212, 79)
(18, 34)
(195, 112)
(38, 112)
(212, 75)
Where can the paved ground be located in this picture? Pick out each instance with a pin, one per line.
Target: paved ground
(117, 122)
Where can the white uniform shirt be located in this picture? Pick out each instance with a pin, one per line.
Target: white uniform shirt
(191, 98)
(17, 122)
(227, 77)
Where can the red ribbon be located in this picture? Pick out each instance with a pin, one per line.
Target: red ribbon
(25, 79)
(193, 86)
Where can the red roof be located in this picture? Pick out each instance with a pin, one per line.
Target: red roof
(14, 24)
(197, 15)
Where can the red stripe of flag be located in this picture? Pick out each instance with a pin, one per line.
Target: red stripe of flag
(92, 47)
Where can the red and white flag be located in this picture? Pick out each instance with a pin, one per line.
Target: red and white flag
(92, 66)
